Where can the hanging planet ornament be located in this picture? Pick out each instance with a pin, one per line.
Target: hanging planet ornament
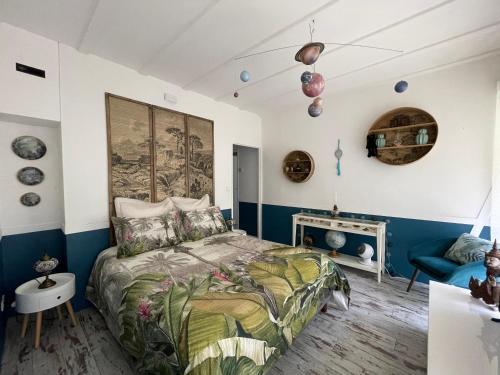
(236, 94)
(401, 86)
(315, 109)
(306, 77)
(318, 101)
(315, 87)
(309, 53)
(245, 76)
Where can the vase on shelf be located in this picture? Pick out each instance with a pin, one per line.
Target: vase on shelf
(398, 141)
(422, 137)
(380, 141)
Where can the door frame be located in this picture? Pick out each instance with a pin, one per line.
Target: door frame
(259, 185)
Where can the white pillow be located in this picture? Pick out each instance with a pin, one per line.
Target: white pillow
(135, 208)
(190, 204)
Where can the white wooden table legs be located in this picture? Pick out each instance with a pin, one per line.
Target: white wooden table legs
(38, 328)
(24, 327)
(38, 321)
(294, 231)
(71, 313)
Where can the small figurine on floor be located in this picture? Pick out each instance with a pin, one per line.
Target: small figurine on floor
(488, 290)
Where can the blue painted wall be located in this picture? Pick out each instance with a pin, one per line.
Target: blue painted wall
(81, 251)
(402, 234)
(2, 314)
(21, 251)
(248, 217)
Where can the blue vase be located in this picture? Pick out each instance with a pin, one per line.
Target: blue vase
(380, 141)
(422, 137)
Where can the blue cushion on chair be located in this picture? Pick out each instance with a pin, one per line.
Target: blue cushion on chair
(435, 266)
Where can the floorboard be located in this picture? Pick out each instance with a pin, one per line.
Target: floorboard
(384, 332)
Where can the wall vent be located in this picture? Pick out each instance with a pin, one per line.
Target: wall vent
(30, 70)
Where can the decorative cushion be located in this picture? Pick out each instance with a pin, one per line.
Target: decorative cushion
(190, 204)
(468, 249)
(435, 266)
(135, 208)
(199, 224)
(138, 235)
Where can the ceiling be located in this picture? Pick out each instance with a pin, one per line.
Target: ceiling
(193, 43)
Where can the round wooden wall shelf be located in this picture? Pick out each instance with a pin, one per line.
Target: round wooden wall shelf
(400, 128)
(298, 166)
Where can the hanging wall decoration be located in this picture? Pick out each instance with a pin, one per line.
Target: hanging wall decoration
(30, 176)
(30, 199)
(29, 147)
(313, 83)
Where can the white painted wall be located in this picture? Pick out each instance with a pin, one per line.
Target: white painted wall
(49, 213)
(22, 94)
(84, 80)
(449, 184)
(495, 204)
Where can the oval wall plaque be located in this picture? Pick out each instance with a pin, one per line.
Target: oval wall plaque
(30, 176)
(29, 147)
(30, 199)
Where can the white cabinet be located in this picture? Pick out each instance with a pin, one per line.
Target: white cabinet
(24, 95)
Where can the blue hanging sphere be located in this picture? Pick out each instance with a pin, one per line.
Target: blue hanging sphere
(306, 77)
(244, 76)
(401, 86)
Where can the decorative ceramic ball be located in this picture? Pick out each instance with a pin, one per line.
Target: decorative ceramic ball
(244, 76)
(314, 110)
(401, 86)
(365, 252)
(306, 77)
(335, 239)
(315, 87)
(318, 101)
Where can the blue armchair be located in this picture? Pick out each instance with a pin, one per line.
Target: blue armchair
(428, 258)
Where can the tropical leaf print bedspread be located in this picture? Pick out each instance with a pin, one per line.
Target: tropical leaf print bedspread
(228, 304)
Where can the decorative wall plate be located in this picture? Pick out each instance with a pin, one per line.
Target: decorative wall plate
(29, 147)
(30, 199)
(30, 176)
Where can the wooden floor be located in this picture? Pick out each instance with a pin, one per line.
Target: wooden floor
(384, 332)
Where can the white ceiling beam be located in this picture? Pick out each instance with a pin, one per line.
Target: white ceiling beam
(81, 45)
(190, 84)
(151, 59)
(353, 41)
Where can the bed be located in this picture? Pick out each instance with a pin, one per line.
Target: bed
(226, 304)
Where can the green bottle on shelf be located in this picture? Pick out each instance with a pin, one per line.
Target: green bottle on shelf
(380, 141)
(422, 137)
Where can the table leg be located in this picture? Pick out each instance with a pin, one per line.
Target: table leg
(294, 232)
(301, 235)
(38, 329)
(59, 313)
(24, 327)
(380, 255)
(71, 313)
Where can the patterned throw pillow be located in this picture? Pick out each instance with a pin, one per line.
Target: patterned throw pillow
(468, 249)
(203, 223)
(136, 236)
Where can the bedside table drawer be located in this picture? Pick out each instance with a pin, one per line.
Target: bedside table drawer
(56, 299)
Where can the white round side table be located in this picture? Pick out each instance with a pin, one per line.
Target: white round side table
(30, 299)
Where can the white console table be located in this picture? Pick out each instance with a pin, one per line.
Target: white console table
(348, 225)
(462, 338)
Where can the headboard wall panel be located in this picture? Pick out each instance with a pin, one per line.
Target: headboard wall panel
(170, 155)
(154, 152)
